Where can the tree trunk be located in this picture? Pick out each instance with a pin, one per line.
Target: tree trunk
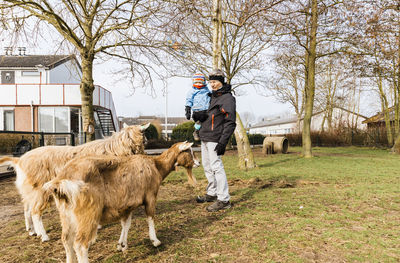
(310, 86)
(87, 88)
(246, 158)
(385, 110)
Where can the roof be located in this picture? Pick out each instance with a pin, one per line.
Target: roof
(276, 121)
(380, 116)
(30, 61)
(144, 119)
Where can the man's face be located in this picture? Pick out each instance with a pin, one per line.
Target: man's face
(215, 84)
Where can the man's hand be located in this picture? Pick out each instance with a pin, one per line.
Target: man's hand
(220, 149)
(187, 110)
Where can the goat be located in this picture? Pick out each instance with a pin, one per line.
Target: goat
(90, 191)
(42, 164)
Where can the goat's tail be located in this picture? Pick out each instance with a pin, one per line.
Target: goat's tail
(11, 161)
(64, 190)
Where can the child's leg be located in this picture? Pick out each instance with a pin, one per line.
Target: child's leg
(197, 127)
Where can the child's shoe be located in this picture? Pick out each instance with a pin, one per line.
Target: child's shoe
(196, 136)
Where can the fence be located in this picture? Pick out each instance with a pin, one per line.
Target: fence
(18, 142)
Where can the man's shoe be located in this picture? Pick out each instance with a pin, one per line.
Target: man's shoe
(219, 205)
(206, 198)
(196, 136)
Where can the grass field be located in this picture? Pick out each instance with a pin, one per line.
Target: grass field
(343, 205)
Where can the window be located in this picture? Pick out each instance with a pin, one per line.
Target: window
(30, 73)
(8, 120)
(54, 119)
(46, 119)
(61, 119)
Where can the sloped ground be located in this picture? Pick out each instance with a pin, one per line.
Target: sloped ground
(341, 206)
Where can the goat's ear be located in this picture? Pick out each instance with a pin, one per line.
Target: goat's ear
(144, 127)
(125, 125)
(185, 145)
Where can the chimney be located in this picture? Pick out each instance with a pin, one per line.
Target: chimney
(8, 51)
(21, 51)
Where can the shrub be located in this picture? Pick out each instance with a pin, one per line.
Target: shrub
(183, 132)
(343, 137)
(253, 139)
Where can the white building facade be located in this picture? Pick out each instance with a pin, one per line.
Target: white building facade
(340, 117)
(42, 93)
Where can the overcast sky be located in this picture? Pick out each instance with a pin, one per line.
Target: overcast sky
(141, 103)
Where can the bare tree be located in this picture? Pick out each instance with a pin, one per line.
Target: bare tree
(378, 57)
(92, 29)
(320, 28)
(247, 118)
(235, 41)
(287, 83)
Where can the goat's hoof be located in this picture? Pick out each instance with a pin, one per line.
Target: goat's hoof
(45, 238)
(32, 233)
(99, 226)
(156, 242)
(122, 247)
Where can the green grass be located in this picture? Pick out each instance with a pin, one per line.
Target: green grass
(346, 201)
(342, 205)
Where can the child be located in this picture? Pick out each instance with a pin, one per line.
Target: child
(198, 100)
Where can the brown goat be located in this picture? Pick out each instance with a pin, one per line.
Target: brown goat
(42, 164)
(90, 191)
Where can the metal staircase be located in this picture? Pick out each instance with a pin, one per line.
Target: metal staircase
(106, 121)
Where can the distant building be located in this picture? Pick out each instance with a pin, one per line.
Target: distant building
(289, 124)
(378, 120)
(276, 125)
(41, 93)
(172, 122)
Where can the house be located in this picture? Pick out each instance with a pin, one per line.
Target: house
(287, 125)
(172, 122)
(40, 93)
(378, 120)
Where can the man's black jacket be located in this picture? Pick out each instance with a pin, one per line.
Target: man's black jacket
(221, 121)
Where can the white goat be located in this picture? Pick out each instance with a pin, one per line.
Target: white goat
(42, 164)
(93, 190)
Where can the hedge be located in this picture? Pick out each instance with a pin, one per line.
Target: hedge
(183, 132)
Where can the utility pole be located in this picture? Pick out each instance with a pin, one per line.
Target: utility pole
(217, 34)
(166, 111)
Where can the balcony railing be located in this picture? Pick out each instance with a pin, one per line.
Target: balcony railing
(54, 95)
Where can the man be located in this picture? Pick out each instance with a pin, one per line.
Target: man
(214, 134)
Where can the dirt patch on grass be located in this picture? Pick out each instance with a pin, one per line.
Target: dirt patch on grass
(257, 182)
(10, 207)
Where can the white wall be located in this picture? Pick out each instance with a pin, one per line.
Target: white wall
(339, 116)
(29, 76)
(67, 72)
(275, 129)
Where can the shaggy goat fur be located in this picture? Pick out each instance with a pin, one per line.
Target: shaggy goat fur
(42, 164)
(90, 191)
